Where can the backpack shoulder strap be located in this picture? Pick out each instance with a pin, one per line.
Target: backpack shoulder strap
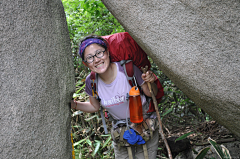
(94, 82)
(129, 71)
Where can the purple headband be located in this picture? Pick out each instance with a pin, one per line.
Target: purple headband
(88, 42)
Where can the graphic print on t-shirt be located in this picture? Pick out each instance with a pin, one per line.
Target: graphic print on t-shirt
(114, 101)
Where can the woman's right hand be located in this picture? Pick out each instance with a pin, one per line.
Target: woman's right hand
(73, 104)
(89, 107)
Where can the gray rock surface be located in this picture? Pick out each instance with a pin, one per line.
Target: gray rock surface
(196, 44)
(36, 80)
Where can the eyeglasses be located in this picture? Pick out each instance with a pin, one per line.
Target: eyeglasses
(98, 54)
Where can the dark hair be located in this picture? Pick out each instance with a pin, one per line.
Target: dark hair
(96, 37)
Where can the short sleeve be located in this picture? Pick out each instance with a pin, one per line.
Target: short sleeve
(88, 88)
(138, 75)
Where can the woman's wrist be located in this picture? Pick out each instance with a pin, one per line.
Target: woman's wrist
(75, 104)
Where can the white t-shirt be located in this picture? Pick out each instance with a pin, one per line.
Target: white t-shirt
(113, 95)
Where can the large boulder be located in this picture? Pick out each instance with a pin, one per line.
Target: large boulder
(37, 80)
(196, 44)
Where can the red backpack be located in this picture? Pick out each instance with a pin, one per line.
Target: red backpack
(123, 48)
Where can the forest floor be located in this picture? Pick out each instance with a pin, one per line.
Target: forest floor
(201, 131)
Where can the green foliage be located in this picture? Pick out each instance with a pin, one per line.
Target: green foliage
(184, 136)
(89, 141)
(85, 17)
(202, 153)
(221, 150)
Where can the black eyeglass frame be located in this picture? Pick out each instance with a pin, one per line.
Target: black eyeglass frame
(96, 56)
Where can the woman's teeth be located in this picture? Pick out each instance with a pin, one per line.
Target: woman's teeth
(99, 65)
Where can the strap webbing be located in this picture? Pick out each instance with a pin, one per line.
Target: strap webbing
(129, 72)
(103, 120)
(94, 80)
(130, 155)
(145, 152)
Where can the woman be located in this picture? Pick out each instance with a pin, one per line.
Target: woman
(112, 89)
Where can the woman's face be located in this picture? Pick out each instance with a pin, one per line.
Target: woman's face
(99, 65)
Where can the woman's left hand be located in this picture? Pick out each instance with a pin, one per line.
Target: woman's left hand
(148, 76)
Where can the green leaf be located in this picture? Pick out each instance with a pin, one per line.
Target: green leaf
(90, 118)
(107, 141)
(202, 153)
(77, 126)
(226, 152)
(79, 142)
(106, 135)
(97, 146)
(80, 88)
(222, 152)
(167, 112)
(79, 83)
(76, 95)
(184, 136)
(77, 113)
(89, 142)
(216, 147)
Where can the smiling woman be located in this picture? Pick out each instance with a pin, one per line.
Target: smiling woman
(112, 89)
(95, 56)
(100, 65)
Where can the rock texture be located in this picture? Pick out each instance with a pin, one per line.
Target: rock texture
(36, 80)
(196, 44)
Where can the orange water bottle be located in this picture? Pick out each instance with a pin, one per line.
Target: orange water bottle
(135, 105)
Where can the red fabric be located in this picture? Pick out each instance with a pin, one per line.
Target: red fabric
(106, 115)
(123, 47)
(129, 69)
(93, 75)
